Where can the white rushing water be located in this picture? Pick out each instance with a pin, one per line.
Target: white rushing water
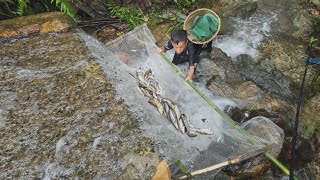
(247, 36)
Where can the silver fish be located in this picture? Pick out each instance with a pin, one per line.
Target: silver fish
(140, 76)
(206, 131)
(181, 126)
(173, 119)
(176, 110)
(192, 133)
(173, 106)
(145, 92)
(159, 106)
(166, 109)
(156, 84)
(147, 74)
(151, 101)
(143, 84)
(186, 122)
(152, 91)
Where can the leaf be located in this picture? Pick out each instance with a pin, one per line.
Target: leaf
(66, 7)
(183, 169)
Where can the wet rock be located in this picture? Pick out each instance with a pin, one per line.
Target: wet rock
(245, 10)
(310, 110)
(54, 26)
(35, 24)
(216, 65)
(227, 27)
(302, 23)
(311, 170)
(266, 76)
(248, 90)
(92, 9)
(265, 131)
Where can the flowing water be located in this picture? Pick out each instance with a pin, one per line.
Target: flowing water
(247, 36)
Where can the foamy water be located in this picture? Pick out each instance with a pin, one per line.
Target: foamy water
(247, 36)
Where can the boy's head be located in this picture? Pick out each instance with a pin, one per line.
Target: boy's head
(179, 40)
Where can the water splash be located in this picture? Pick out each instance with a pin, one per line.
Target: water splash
(247, 36)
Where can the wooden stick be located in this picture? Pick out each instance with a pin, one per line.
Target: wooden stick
(211, 168)
(232, 161)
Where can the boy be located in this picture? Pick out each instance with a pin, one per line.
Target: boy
(185, 50)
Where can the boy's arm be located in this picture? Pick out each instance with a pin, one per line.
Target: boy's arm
(190, 73)
(165, 48)
(191, 50)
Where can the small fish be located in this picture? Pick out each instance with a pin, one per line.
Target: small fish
(156, 84)
(181, 126)
(145, 92)
(143, 84)
(159, 106)
(176, 110)
(173, 119)
(192, 133)
(166, 109)
(206, 131)
(174, 107)
(152, 91)
(151, 101)
(186, 122)
(140, 76)
(147, 74)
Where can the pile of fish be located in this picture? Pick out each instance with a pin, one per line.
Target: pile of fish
(150, 87)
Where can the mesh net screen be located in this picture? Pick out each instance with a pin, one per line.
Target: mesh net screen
(136, 49)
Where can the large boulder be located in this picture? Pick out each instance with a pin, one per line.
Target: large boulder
(265, 131)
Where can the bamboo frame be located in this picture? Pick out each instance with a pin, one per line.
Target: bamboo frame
(221, 113)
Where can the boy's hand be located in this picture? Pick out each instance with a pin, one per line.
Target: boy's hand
(189, 79)
(190, 73)
(160, 50)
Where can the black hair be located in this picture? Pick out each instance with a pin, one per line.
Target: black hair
(179, 35)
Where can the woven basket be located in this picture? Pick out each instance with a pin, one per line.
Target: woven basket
(189, 20)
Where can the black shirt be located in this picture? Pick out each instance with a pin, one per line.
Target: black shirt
(189, 54)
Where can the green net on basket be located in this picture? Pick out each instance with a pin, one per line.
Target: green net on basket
(203, 27)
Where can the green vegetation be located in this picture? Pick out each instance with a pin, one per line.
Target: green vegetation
(132, 15)
(184, 3)
(66, 7)
(183, 169)
(25, 7)
(314, 43)
(310, 130)
(135, 16)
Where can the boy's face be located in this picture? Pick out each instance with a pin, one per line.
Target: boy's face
(180, 46)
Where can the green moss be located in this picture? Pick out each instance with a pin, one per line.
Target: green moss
(310, 130)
